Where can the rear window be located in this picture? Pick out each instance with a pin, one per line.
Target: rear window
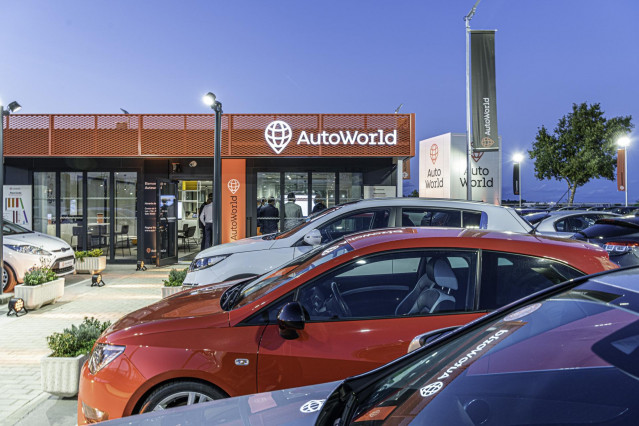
(608, 228)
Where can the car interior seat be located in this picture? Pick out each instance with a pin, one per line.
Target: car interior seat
(426, 297)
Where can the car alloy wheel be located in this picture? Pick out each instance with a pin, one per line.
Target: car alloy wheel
(8, 279)
(179, 394)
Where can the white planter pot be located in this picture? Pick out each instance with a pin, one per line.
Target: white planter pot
(61, 376)
(90, 265)
(167, 291)
(35, 296)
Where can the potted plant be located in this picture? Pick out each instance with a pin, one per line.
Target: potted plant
(174, 283)
(90, 262)
(60, 370)
(41, 286)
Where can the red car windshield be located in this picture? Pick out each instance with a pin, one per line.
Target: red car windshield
(544, 358)
(299, 266)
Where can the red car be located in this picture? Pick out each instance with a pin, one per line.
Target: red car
(340, 310)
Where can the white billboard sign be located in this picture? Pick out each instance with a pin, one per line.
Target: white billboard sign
(17, 205)
(442, 170)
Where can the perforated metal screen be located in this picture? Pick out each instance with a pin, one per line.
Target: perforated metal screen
(192, 135)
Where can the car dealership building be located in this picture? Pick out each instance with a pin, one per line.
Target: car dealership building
(132, 184)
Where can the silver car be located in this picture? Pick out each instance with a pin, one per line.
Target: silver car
(258, 255)
(565, 223)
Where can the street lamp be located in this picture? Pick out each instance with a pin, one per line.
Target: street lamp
(210, 100)
(13, 107)
(624, 141)
(518, 158)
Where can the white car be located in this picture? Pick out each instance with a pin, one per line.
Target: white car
(258, 255)
(24, 249)
(565, 223)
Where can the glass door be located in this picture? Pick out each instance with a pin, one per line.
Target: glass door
(295, 199)
(71, 212)
(323, 191)
(166, 222)
(98, 212)
(268, 202)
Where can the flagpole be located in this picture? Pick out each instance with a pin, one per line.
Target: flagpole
(469, 144)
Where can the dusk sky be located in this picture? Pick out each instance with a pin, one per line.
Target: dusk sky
(331, 56)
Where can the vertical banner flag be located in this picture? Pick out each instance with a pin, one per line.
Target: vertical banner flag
(233, 225)
(516, 179)
(621, 170)
(484, 102)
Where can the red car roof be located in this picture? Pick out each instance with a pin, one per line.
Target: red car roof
(576, 253)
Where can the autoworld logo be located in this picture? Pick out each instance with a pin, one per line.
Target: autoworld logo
(487, 142)
(434, 152)
(233, 185)
(312, 406)
(278, 134)
(476, 155)
(431, 389)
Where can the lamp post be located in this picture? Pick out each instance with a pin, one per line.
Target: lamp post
(210, 100)
(13, 107)
(518, 158)
(469, 144)
(624, 141)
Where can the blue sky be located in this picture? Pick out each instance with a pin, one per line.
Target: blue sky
(330, 56)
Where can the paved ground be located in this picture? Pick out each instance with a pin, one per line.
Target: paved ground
(23, 339)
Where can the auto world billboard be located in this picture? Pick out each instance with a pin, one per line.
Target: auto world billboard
(442, 170)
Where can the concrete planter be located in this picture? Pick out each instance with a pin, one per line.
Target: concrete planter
(35, 296)
(90, 265)
(61, 376)
(167, 291)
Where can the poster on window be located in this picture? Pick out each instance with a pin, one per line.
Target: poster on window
(17, 205)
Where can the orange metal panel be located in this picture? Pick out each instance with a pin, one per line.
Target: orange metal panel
(192, 135)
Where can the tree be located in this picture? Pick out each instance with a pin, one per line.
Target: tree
(581, 148)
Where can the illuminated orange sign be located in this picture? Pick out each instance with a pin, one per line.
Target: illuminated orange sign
(233, 200)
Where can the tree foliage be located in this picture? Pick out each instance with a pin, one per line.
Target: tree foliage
(582, 147)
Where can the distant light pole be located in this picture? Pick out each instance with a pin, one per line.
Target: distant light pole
(469, 143)
(518, 158)
(210, 100)
(624, 141)
(13, 107)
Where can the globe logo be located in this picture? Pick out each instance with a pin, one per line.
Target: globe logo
(312, 406)
(233, 185)
(278, 134)
(431, 389)
(487, 142)
(434, 152)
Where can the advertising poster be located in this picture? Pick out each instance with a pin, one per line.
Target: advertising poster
(18, 205)
(233, 224)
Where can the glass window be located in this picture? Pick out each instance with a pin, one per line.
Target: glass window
(577, 223)
(393, 284)
(125, 238)
(268, 214)
(98, 210)
(354, 222)
(508, 277)
(295, 199)
(71, 217)
(44, 197)
(323, 191)
(350, 187)
(432, 217)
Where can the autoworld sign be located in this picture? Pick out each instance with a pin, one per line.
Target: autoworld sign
(279, 134)
(442, 170)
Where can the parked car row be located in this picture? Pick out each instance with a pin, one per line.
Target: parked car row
(331, 311)
(503, 369)
(24, 249)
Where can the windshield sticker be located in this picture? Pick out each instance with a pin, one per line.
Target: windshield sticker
(431, 389)
(527, 310)
(387, 232)
(376, 414)
(312, 406)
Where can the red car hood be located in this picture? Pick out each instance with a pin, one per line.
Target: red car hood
(199, 306)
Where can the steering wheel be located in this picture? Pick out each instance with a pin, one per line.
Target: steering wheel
(346, 311)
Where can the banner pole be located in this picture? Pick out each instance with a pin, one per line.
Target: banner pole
(469, 145)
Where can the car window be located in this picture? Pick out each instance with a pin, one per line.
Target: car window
(417, 216)
(354, 222)
(9, 228)
(507, 277)
(577, 223)
(396, 284)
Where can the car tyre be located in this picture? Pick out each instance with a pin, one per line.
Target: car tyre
(178, 394)
(8, 279)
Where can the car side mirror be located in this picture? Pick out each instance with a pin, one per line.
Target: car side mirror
(313, 238)
(424, 339)
(290, 319)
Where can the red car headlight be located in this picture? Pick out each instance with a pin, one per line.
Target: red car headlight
(102, 355)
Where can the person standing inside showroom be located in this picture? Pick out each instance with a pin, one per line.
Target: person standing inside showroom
(292, 213)
(206, 219)
(270, 217)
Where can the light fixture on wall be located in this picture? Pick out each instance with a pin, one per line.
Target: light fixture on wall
(193, 163)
